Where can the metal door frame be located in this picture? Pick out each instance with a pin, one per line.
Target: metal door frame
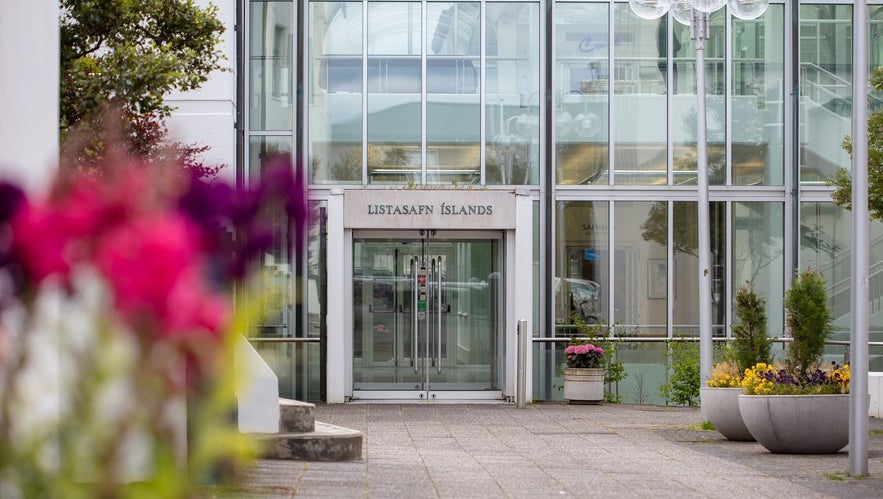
(417, 235)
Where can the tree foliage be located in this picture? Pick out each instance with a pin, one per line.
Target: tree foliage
(842, 179)
(130, 53)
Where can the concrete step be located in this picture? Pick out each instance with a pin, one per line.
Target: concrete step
(296, 416)
(325, 443)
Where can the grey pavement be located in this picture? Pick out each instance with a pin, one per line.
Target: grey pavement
(552, 450)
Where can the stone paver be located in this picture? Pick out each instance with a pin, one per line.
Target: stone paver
(552, 450)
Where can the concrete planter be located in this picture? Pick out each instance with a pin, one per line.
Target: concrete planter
(584, 385)
(722, 408)
(797, 424)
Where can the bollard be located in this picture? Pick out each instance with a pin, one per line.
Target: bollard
(521, 381)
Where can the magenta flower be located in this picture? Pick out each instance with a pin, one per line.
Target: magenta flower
(154, 265)
(584, 355)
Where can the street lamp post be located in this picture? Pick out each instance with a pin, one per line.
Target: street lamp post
(695, 13)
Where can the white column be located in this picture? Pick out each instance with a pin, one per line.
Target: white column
(335, 368)
(521, 275)
(29, 79)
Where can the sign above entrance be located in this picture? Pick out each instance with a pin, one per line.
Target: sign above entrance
(429, 209)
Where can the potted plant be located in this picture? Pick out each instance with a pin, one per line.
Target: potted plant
(584, 374)
(750, 346)
(800, 408)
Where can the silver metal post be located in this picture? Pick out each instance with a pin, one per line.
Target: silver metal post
(700, 33)
(521, 380)
(858, 351)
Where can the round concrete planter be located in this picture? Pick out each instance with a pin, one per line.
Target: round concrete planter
(584, 385)
(722, 408)
(797, 424)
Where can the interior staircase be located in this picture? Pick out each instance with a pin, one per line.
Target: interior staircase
(302, 438)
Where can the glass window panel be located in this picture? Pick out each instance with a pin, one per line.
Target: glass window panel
(453, 102)
(582, 74)
(685, 101)
(582, 262)
(758, 255)
(825, 244)
(826, 89)
(394, 86)
(275, 272)
(685, 247)
(758, 128)
(640, 274)
(270, 66)
(512, 94)
(335, 82)
(639, 77)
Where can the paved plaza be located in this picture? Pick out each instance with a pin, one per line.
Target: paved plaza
(553, 450)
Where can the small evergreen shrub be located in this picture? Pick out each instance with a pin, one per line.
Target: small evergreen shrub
(809, 320)
(750, 344)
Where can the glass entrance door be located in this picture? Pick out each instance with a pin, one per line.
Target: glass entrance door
(427, 316)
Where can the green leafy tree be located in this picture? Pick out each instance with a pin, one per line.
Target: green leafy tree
(118, 60)
(751, 343)
(809, 320)
(131, 53)
(842, 179)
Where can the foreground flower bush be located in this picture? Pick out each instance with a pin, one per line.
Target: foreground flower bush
(117, 327)
(765, 379)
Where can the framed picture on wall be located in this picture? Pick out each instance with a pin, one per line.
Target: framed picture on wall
(657, 279)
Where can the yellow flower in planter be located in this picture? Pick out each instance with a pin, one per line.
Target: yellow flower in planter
(725, 375)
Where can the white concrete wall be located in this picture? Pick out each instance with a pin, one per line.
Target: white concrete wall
(207, 116)
(29, 59)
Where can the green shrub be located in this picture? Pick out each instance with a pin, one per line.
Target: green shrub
(682, 387)
(750, 344)
(809, 319)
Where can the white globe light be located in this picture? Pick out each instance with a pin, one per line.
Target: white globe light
(707, 5)
(748, 9)
(649, 9)
(587, 125)
(682, 12)
(563, 123)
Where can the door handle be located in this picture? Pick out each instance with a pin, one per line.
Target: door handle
(414, 314)
(438, 347)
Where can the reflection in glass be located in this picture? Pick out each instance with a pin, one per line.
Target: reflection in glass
(512, 93)
(582, 73)
(825, 244)
(640, 76)
(270, 66)
(275, 271)
(453, 103)
(685, 275)
(581, 284)
(685, 101)
(758, 254)
(640, 274)
(335, 98)
(394, 83)
(826, 89)
(758, 128)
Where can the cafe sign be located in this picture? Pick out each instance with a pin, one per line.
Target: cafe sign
(426, 208)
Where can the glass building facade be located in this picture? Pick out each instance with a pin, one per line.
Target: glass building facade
(589, 113)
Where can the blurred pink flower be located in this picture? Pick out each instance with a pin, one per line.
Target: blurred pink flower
(154, 265)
